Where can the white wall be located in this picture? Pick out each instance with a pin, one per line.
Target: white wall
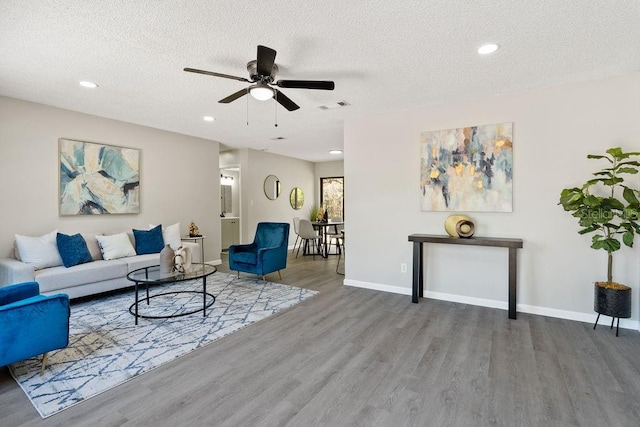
(179, 177)
(553, 130)
(329, 169)
(255, 166)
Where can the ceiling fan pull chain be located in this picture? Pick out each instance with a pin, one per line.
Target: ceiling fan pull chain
(275, 104)
(247, 111)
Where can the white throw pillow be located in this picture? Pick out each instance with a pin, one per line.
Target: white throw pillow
(41, 252)
(170, 235)
(115, 246)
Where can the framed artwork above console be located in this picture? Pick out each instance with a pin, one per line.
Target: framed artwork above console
(467, 169)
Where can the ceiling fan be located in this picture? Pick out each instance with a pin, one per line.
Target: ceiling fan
(262, 73)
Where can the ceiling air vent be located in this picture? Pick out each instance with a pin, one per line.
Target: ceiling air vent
(334, 105)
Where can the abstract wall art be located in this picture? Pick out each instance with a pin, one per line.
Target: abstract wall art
(467, 169)
(98, 178)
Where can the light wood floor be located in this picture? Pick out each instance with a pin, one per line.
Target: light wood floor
(358, 357)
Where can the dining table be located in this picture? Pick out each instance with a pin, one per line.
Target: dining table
(322, 227)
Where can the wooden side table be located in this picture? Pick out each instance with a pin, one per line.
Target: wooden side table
(196, 239)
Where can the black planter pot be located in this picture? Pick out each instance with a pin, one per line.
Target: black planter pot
(614, 302)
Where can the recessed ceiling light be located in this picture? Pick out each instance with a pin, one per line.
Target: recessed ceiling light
(208, 118)
(335, 151)
(90, 85)
(487, 49)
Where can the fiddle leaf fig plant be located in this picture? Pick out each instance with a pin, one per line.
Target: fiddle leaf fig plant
(606, 206)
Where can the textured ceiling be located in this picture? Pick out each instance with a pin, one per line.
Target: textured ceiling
(383, 55)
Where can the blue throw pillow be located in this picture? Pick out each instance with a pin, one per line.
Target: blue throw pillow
(149, 241)
(73, 249)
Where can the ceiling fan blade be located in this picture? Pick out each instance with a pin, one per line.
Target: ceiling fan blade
(266, 58)
(234, 96)
(285, 101)
(306, 84)
(211, 73)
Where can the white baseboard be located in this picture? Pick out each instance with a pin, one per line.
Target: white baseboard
(502, 305)
(214, 262)
(577, 316)
(378, 287)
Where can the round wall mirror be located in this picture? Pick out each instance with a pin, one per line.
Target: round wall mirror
(271, 187)
(296, 198)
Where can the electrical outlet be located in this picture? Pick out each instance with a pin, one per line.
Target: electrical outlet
(403, 267)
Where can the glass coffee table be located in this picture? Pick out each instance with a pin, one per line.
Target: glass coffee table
(152, 276)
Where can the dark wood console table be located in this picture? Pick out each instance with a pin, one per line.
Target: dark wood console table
(418, 268)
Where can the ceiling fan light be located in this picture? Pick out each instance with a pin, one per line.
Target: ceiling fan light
(261, 92)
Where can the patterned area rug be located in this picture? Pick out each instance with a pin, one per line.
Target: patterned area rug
(106, 348)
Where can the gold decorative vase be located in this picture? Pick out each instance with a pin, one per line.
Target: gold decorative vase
(459, 226)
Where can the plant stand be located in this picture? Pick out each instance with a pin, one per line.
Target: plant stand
(612, 299)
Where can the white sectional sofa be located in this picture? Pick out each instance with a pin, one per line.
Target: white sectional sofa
(94, 277)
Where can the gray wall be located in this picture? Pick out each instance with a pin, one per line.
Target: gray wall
(553, 129)
(179, 176)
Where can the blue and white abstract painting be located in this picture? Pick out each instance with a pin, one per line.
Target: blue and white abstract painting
(467, 169)
(98, 179)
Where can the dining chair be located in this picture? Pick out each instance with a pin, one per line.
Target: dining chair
(340, 255)
(334, 234)
(296, 226)
(307, 233)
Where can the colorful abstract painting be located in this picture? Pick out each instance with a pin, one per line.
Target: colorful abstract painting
(98, 179)
(467, 169)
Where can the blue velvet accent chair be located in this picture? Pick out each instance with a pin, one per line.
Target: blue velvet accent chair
(31, 324)
(267, 253)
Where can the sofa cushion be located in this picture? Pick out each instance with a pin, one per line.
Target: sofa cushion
(148, 241)
(115, 246)
(41, 252)
(140, 261)
(52, 279)
(73, 249)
